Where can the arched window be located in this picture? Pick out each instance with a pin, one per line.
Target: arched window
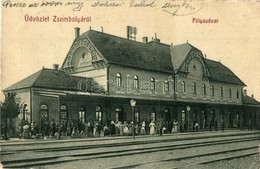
(183, 87)
(183, 116)
(230, 93)
(204, 89)
(221, 91)
(81, 115)
(166, 85)
(118, 80)
(212, 90)
(237, 92)
(99, 114)
(136, 82)
(44, 114)
(194, 88)
(152, 83)
(25, 112)
(63, 114)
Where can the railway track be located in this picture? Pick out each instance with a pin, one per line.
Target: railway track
(133, 148)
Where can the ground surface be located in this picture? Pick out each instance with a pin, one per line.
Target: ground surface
(229, 149)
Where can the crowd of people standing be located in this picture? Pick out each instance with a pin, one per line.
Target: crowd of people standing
(91, 128)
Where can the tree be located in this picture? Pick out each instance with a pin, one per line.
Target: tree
(10, 108)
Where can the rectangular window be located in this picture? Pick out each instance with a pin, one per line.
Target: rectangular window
(166, 86)
(237, 94)
(136, 117)
(204, 89)
(183, 87)
(212, 91)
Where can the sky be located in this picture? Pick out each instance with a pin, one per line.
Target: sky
(234, 40)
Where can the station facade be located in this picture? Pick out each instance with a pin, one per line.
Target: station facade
(102, 73)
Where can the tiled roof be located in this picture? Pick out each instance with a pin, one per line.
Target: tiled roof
(52, 79)
(117, 50)
(246, 100)
(221, 73)
(179, 53)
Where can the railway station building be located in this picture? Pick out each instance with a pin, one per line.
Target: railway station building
(102, 73)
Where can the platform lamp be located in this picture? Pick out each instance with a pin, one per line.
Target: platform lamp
(133, 103)
(188, 110)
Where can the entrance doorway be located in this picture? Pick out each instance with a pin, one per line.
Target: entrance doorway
(167, 115)
(120, 115)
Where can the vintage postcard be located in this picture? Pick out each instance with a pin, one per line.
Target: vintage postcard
(130, 83)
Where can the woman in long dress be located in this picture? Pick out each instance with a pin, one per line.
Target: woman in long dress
(143, 128)
(152, 128)
(175, 126)
(125, 130)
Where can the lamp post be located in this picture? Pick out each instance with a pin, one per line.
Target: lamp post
(188, 110)
(132, 103)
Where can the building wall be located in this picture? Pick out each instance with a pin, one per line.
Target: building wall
(99, 75)
(144, 77)
(52, 104)
(199, 96)
(89, 108)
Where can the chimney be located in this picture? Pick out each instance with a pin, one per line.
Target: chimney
(155, 38)
(77, 30)
(145, 39)
(128, 32)
(55, 66)
(245, 92)
(252, 96)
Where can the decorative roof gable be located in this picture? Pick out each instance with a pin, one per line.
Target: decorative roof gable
(122, 51)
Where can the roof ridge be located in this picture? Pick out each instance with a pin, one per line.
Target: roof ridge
(120, 37)
(40, 72)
